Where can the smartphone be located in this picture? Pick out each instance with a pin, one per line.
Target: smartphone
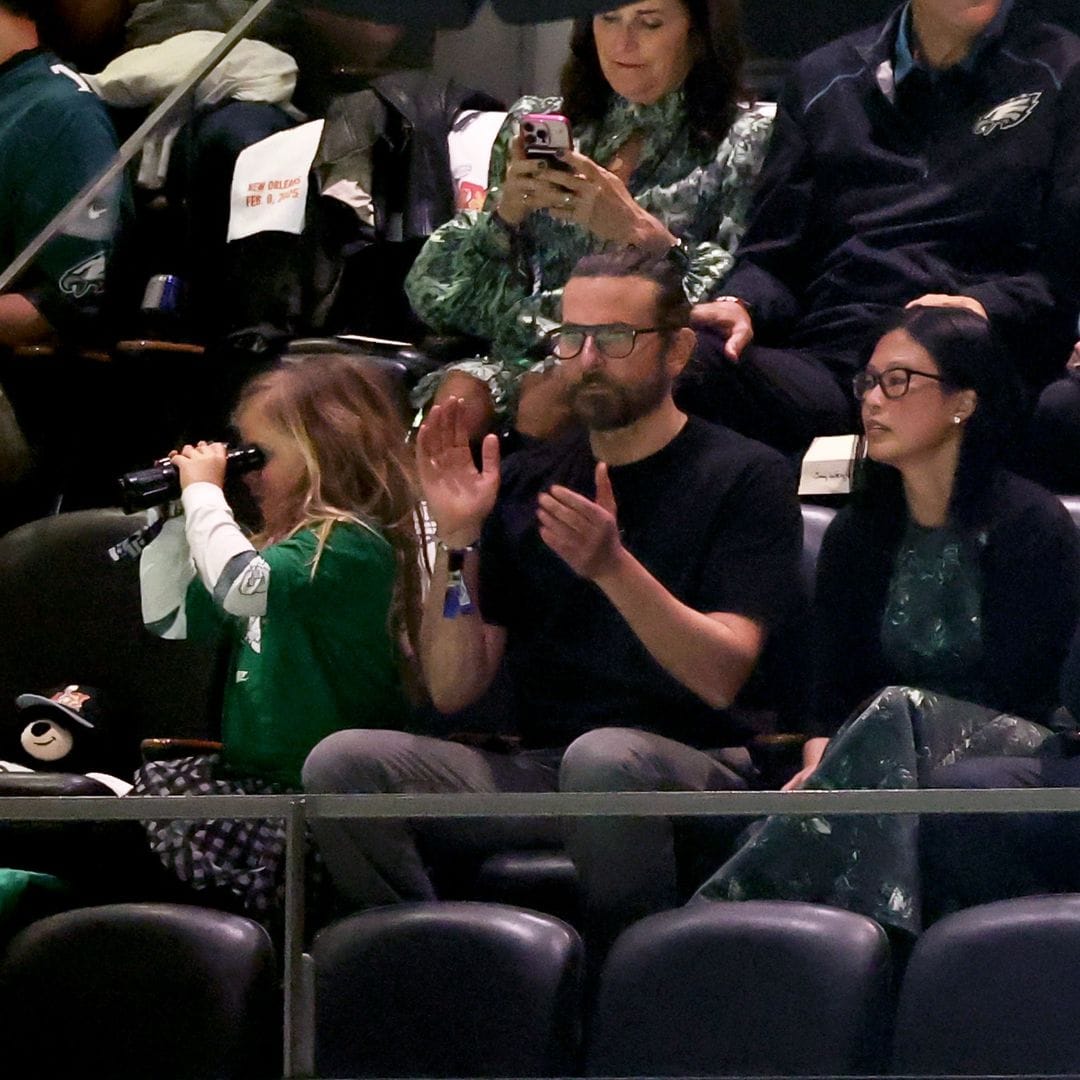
(545, 134)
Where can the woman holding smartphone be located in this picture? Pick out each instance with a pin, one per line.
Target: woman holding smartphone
(665, 154)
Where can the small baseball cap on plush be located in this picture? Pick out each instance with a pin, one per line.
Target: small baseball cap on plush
(74, 702)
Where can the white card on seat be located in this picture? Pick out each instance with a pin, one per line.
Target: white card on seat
(270, 182)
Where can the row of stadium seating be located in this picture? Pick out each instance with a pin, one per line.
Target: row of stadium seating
(443, 989)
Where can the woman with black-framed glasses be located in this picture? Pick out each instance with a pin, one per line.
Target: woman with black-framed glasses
(947, 593)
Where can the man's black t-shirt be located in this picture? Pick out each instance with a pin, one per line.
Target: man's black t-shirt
(712, 515)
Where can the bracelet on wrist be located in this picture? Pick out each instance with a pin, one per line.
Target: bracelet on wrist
(456, 598)
(748, 308)
(452, 549)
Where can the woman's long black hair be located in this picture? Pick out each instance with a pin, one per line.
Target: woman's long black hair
(969, 357)
(713, 88)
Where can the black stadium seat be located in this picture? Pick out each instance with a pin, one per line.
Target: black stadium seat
(447, 989)
(992, 991)
(131, 990)
(71, 614)
(759, 988)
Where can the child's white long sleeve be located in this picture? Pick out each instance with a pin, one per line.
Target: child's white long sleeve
(233, 572)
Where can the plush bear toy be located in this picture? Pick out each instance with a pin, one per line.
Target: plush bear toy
(61, 730)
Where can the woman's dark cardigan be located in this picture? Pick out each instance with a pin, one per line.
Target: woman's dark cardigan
(1030, 562)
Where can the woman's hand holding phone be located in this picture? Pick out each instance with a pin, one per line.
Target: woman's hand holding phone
(597, 200)
(534, 158)
(522, 189)
(546, 173)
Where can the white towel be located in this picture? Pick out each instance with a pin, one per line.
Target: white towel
(253, 71)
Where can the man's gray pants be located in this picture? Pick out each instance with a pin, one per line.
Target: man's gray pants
(626, 865)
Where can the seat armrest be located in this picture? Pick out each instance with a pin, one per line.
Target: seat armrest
(778, 742)
(47, 350)
(778, 756)
(23, 784)
(139, 346)
(167, 749)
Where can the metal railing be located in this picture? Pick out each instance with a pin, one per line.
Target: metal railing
(298, 809)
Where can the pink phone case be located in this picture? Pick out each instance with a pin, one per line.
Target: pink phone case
(545, 134)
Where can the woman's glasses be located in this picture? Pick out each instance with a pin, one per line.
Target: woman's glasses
(612, 340)
(894, 382)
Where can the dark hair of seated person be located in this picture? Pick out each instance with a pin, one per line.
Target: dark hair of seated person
(672, 307)
(969, 356)
(28, 9)
(713, 88)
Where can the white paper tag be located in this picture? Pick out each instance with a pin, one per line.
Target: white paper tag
(270, 182)
(826, 468)
(470, 142)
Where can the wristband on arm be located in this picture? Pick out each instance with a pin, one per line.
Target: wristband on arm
(747, 307)
(456, 599)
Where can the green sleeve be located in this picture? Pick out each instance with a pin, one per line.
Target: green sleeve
(205, 620)
(471, 273)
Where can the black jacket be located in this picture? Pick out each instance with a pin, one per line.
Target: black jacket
(1030, 562)
(401, 124)
(873, 194)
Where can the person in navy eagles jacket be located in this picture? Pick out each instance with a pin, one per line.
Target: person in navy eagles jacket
(934, 159)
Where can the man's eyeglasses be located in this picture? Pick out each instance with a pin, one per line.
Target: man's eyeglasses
(894, 382)
(612, 340)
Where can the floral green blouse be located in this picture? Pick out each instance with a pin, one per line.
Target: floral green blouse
(931, 628)
(474, 277)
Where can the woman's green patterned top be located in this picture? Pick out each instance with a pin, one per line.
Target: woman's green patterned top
(472, 277)
(931, 628)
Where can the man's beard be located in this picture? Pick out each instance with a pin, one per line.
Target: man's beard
(602, 405)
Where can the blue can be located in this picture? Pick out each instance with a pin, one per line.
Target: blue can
(164, 294)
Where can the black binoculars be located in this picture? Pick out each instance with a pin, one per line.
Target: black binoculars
(161, 482)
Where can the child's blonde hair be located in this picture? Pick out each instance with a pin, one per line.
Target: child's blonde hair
(358, 467)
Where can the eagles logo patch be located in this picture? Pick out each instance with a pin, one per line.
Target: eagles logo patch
(1008, 114)
(87, 277)
(255, 578)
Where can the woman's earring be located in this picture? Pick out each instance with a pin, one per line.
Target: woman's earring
(956, 419)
